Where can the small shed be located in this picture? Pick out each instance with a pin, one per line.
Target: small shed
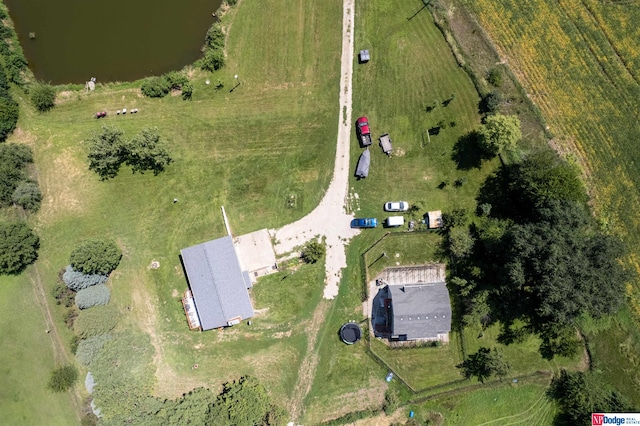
(385, 144)
(434, 219)
(362, 169)
(364, 56)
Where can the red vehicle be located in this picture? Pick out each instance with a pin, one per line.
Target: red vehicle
(362, 128)
(101, 114)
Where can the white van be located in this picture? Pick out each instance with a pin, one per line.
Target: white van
(395, 221)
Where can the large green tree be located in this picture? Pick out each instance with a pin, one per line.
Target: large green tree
(549, 272)
(18, 247)
(148, 151)
(500, 133)
(13, 159)
(517, 191)
(578, 394)
(484, 364)
(107, 152)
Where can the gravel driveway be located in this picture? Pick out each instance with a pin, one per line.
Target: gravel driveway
(330, 218)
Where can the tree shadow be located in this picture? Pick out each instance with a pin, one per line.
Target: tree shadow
(468, 153)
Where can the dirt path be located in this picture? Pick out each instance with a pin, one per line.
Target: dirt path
(60, 355)
(330, 219)
(307, 370)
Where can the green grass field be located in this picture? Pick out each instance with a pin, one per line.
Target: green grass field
(578, 60)
(508, 404)
(27, 360)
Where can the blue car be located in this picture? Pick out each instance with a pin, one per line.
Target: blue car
(368, 222)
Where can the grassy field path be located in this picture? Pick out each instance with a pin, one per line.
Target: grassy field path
(330, 219)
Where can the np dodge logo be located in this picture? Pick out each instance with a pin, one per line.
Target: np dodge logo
(597, 419)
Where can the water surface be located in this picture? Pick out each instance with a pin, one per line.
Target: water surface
(112, 40)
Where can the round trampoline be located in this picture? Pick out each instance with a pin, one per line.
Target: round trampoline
(350, 333)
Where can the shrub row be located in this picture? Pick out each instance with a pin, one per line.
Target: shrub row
(14, 60)
(159, 87)
(213, 49)
(93, 296)
(77, 281)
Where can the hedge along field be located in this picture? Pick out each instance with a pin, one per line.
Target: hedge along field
(248, 149)
(578, 61)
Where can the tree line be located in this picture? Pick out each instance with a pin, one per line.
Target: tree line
(534, 260)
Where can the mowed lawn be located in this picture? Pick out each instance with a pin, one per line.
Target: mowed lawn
(248, 150)
(411, 67)
(27, 361)
(522, 403)
(578, 60)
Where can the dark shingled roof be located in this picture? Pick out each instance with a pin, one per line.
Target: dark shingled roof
(420, 311)
(217, 283)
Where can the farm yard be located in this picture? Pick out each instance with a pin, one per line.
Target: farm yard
(261, 143)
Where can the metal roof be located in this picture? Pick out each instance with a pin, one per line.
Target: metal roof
(420, 311)
(217, 282)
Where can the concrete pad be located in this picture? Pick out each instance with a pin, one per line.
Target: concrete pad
(255, 253)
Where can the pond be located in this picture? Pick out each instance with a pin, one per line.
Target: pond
(115, 40)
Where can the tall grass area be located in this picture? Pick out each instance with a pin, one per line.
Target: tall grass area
(27, 360)
(578, 60)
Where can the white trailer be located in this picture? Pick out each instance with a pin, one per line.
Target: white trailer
(395, 221)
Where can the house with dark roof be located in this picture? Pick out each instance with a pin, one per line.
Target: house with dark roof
(412, 303)
(219, 294)
(420, 312)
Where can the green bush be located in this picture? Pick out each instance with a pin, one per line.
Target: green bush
(63, 295)
(43, 96)
(175, 79)
(63, 378)
(490, 103)
(96, 321)
(213, 60)
(8, 117)
(313, 251)
(494, 76)
(93, 296)
(18, 247)
(88, 349)
(215, 37)
(155, 87)
(187, 91)
(28, 196)
(96, 256)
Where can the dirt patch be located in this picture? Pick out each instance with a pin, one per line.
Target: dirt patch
(24, 137)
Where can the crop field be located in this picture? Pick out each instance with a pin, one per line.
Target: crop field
(578, 60)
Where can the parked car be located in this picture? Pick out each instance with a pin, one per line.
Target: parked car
(396, 206)
(367, 222)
